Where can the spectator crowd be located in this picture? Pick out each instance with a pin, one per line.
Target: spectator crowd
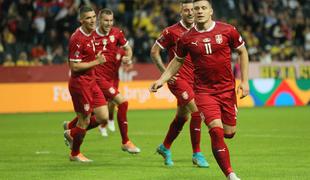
(36, 32)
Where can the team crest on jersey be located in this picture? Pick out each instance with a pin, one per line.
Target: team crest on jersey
(86, 107)
(112, 38)
(218, 38)
(77, 53)
(118, 56)
(185, 95)
(112, 90)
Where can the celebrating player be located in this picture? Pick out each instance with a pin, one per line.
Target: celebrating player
(86, 95)
(210, 44)
(108, 39)
(181, 86)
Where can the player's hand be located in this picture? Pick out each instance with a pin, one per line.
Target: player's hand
(155, 86)
(244, 88)
(173, 79)
(126, 60)
(100, 58)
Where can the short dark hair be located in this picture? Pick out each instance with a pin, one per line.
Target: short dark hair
(105, 11)
(186, 1)
(210, 1)
(84, 9)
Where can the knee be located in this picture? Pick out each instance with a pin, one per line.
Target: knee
(229, 135)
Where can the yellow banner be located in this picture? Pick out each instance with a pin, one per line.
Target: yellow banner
(55, 97)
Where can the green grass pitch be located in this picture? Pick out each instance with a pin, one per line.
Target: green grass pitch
(271, 143)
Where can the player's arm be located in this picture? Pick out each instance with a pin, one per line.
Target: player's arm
(171, 70)
(127, 58)
(244, 64)
(155, 55)
(77, 65)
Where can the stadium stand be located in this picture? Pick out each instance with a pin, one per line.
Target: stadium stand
(38, 30)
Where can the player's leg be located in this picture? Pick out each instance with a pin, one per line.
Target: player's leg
(103, 128)
(175, 128)
(195, 133)
(210, 108)
(122, 105)
(111, 107)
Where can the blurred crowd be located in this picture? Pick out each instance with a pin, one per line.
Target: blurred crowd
(36, 32)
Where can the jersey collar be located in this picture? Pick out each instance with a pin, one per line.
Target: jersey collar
(183, 25)
(207, 30)
(100, 34)
(83, 32)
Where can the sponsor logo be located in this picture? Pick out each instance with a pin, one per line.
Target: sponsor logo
(219, 38)
(195, 43)
(206, 40)
(221, 150)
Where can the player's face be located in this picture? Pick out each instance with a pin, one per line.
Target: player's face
(88, 20)
(106, 22)
(202, 11)
(187, 13)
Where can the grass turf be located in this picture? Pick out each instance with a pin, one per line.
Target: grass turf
(271, 143)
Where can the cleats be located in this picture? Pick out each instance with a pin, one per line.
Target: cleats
(199, 160)
(131, 148)
(68, 138)
(103, 131)
(80, 158)
(166, 154)
(65, 125)
(111, 125)
(232, 176)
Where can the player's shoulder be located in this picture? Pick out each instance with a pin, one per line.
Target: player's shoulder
(171, 29)
(116, 30)
(224, 25)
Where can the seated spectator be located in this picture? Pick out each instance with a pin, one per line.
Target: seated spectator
(8, 61)
(35, 62)
(22, 59)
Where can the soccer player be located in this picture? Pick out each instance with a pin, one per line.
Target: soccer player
(181, 86)
(108, 39)
(210, 44)
(114, 78)
(86, 95)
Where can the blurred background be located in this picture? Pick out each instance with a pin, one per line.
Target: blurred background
(34, 37)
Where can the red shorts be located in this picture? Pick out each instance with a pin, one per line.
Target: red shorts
(183, 91)
(109, 88)
(86, 98)
(220, 106)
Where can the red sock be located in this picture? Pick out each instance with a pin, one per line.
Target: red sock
(220, 150)
(122, 121)
(195, 127)
(72, 123)
(175, 128)
(78, 136)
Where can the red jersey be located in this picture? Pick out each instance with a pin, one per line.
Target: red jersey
(82, 49)
(210, 51)
(168, 40)
(109, 44)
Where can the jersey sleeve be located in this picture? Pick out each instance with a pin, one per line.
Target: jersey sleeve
(122, 39)
(236, 40)
(181, 50)
(75, 49)
(165, 39)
